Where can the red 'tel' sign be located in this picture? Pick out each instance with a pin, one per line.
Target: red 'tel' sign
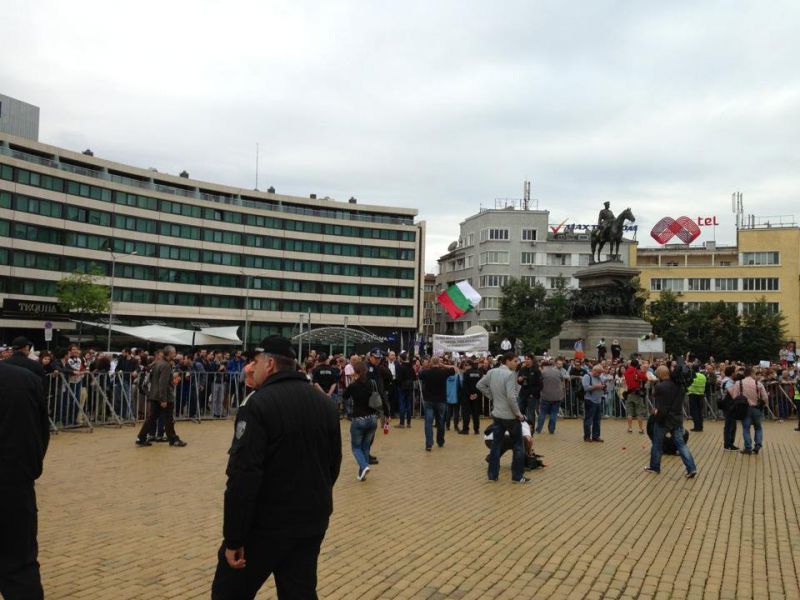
(683, 227)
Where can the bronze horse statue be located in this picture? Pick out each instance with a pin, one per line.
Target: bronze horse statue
(612, 234)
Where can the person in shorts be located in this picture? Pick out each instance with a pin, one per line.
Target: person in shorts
(635, 403)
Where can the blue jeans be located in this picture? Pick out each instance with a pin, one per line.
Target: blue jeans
(514, 428)
(433, 410)
(754, 416)
(729, 433)
(659, 431)
(524, 399)
(405, 399)
(696, 402)
(122, 394)
(591, 419)
(547, 408)
(362, 430)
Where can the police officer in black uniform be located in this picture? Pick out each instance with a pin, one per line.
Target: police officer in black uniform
(24, 436)
(21, 347)
(284, 461)
(471, 398)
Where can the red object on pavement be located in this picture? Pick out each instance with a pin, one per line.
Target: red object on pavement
(386, 428)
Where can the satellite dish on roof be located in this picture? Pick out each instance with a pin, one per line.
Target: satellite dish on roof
(452, 246)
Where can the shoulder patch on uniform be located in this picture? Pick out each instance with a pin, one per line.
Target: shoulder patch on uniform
(240, 427)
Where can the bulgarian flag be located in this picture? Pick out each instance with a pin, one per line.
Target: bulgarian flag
(459, 299)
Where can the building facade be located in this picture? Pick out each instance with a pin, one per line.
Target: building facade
(186, 251)
(19, 118)
(764, 263)
(429, 306)
(497, 245)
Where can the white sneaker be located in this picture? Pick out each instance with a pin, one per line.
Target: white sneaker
(362, 474)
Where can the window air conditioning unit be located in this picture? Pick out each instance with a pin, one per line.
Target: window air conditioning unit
(530, 266)
(533, 242)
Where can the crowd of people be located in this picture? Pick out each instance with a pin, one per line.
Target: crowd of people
(271, 393)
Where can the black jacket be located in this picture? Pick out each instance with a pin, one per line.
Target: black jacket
(284, 460)
(18, 359)
(469, 381)
(24, 426)
(161, 382)
(668, 400)
(405, 376)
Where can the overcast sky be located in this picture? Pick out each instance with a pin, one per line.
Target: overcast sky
(666, 107)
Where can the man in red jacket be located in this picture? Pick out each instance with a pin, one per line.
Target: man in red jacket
(635, 403)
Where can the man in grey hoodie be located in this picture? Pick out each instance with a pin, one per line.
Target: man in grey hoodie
(500, 386)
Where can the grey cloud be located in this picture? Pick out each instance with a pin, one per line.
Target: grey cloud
(443, 106)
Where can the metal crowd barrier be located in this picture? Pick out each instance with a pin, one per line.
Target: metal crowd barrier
(90, 399)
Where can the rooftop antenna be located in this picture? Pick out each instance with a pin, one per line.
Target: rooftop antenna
(526, 194)
(738, 207)
(256, 166)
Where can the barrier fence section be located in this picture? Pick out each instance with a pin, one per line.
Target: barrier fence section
(90, 399)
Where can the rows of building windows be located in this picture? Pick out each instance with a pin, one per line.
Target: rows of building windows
(67, 264)
(495, 234)
(741, 307)
(502, 257)
(490, 303)
(85, 190)
(32, 287)
(725, 284)
(69, 212)
(760, 258)
(493, 280)
(50, 235)
(502, 234)
(494, 257)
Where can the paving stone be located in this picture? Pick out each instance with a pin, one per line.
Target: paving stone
(120, 522)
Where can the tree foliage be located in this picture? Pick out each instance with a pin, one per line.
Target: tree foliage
(80, 293)
(716, 329)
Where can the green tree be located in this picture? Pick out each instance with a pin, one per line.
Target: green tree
(713, 330)
(81, 294)
(667, 316)
(762, 333)
(530, 314)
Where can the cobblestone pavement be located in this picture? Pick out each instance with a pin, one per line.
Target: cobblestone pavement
(118, 521)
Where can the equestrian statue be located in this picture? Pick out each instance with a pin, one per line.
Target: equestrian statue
(609, 229)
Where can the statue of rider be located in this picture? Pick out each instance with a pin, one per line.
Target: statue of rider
(604, 221)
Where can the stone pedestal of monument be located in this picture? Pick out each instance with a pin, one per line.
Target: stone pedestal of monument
(609, 311)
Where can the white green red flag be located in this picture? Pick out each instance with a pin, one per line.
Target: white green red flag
(459, 299)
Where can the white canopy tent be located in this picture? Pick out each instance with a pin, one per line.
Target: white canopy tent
(159, 334)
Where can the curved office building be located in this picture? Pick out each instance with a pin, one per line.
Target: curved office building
(189, 253)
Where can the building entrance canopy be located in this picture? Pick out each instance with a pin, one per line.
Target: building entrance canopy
(159, 334)
(337, 336)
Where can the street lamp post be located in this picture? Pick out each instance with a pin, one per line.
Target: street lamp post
(246, 311)
(345, 337)
(111, 299)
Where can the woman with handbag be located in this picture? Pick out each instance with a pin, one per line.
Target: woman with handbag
(365, 422)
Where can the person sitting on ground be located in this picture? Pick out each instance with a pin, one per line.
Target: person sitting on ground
(532, 460)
